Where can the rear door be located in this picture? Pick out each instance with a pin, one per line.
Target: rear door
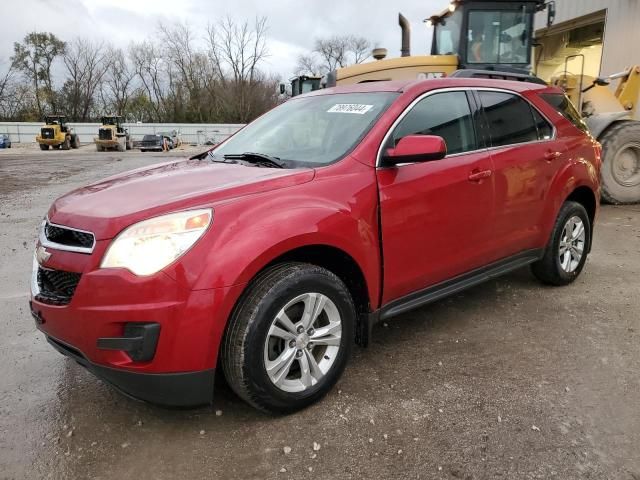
(525, 154)
(434, 215)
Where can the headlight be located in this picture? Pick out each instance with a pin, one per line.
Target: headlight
(147, 247)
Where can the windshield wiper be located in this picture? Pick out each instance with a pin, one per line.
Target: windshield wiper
(214, 157)
(257, 158)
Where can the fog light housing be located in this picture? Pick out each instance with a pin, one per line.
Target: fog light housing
(139, 341)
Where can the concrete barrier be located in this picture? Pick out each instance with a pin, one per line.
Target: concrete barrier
(193, 133)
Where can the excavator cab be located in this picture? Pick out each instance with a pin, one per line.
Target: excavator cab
(486, 35)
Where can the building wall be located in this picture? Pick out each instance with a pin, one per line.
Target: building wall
(195, 133)
(622, 29)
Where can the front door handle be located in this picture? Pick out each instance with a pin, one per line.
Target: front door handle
(551, 155)
(478, 175)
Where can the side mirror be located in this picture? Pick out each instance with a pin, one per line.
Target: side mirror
(416, 148)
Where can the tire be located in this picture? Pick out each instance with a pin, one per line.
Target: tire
(75, 141)
(553, 268)
(122, 145)
(250, 343)
(66, 145)
(99, 148)
(129, 144)
(142, 150)
(621, 163)
(44, 147)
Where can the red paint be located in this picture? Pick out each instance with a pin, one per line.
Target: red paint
(435, 219)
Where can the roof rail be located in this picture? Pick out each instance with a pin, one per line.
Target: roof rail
(498, 75)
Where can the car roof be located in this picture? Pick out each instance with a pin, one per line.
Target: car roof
(418, 86)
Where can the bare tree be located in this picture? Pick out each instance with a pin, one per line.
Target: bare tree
(118, 85)
(308, 64)
(236, 51)
(151, 70)
(86, 64)
(334, 52)
(359, 48)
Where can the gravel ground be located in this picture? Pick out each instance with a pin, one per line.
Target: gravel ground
(507, 380)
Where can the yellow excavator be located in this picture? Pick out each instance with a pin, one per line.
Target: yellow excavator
(495, 39)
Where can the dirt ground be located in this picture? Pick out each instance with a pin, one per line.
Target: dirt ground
(508, 380)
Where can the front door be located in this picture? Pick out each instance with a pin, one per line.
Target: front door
(434, 215)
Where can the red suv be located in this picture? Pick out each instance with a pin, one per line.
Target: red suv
(269, 256)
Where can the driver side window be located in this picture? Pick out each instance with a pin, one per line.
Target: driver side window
(446, 115)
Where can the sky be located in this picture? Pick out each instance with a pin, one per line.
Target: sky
(293, 24)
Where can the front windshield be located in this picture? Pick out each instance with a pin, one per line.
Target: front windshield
(447, 34)
(310, 131)
(498, 37)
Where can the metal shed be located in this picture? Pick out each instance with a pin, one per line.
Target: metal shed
(606, 32)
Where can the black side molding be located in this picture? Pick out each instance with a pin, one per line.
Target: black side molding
(457, 284)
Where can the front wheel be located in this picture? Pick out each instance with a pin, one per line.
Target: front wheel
(568, 247)
(289, 337)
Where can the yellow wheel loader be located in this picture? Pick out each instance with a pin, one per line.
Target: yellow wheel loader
(57, 134)
(112, 135)
(612, 118)
(494, 39)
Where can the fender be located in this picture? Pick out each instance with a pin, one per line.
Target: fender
(577, 172)
(600, 122)
(248, 233)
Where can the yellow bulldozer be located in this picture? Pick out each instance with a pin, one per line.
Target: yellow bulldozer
(494, 39)
(57, 134)
(112, 135)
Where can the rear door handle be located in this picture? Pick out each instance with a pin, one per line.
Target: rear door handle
(476, 176)
(549, 156)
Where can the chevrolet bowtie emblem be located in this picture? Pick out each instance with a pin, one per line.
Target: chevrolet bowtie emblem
(42, 255)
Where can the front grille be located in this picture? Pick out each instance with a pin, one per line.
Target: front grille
(68, 236)
(104, 134)
(47, 133)
(56, 286)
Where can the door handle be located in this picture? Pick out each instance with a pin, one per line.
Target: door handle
(550, 155)
(478, 175)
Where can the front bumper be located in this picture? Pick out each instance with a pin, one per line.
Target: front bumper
(183, 389)
(106, 311)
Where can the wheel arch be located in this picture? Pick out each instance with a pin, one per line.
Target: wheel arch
(338, 262)
(587, 198)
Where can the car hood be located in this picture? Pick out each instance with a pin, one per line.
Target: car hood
(108, 206)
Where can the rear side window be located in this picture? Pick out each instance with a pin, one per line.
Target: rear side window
(545, 130)
(564, 107)
(446, 115)
(509, 117)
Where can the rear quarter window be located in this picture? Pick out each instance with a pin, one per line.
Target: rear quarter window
(561, 104)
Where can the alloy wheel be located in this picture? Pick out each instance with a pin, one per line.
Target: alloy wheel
(303, 342)
(572, 244)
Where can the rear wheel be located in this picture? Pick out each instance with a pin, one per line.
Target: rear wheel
(289, 338)
(621, 163)
(568, 247)
(66, 145)
(75, 142)
(44, 147)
